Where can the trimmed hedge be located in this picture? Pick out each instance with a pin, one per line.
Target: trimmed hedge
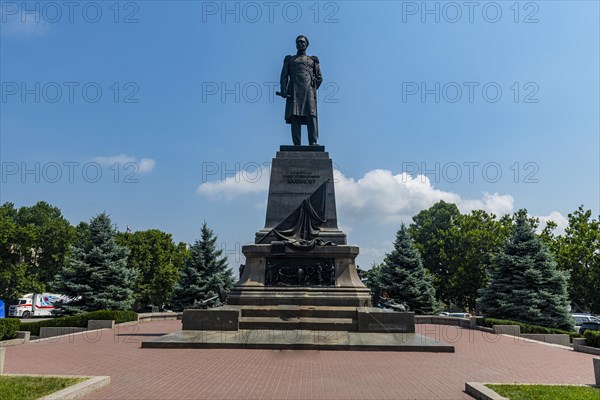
(526, 328)
(79, 320)
(9, 328)
(592, 338)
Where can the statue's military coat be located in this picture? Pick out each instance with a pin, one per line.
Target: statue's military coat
(300, 79)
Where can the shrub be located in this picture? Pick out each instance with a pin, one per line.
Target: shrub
(592, 338)
(9, 328)
(79, 320)
(526, 328)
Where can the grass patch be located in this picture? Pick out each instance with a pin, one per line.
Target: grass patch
(547, 392)
(33, 387)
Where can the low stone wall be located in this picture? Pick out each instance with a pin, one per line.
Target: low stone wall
(515, 330)
(439, 320)
(93, 324)
(557, 338)
(100, 324)
(468, 323)
(51, 331)
(579, 345)
(21, 338)
(158, 316)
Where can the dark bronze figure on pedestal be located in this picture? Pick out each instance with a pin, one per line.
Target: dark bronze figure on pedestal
(300, 80)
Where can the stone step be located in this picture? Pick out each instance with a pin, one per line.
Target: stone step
(298, 340)
(302, 323)
(299, 311)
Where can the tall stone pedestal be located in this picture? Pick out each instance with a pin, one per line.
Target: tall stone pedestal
(279, 273)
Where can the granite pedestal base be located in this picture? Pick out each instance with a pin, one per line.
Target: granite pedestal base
(345, 289)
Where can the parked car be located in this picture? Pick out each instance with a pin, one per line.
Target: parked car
(582, 318)
(459, 315)
(454, 314)
(589, 326)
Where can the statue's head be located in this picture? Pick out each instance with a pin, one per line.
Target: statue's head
(301, 42)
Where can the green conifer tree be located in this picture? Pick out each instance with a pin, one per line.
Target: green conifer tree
(402, 274)
(204, 272)
(96, 275)
(526, 285)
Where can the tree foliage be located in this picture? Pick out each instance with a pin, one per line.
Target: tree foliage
(96, 275)
(155, 259)
(475, 239)
(527, 285)
(431, 230)
(578, 253)
(402, 274)
(457, 249)
(34, 243)
(204, 272)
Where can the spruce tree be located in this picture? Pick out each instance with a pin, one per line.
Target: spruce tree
(402, 274)
(204, 272)
(526, 285)
(96, 275)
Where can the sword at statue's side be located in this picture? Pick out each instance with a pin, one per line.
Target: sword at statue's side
(286, 96)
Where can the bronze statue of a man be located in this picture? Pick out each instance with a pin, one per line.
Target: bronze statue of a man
(300, 79)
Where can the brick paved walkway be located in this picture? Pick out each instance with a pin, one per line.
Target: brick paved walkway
(264, 374)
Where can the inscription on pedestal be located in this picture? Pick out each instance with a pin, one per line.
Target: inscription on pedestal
(301, 178)
(299, 272)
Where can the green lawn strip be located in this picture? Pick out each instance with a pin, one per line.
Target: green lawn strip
(33, 387)
(546, 392)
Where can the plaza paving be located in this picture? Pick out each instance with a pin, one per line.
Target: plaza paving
(266, 374)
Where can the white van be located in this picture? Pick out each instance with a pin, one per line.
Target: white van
(35, 305)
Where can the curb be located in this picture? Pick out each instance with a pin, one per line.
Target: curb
(481, 392)
(75, 392)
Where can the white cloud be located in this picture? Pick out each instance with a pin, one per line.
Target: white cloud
(144, 165)
(493, 203)
(382, 197)
(561, 221)
(17, 23)
(241, 184)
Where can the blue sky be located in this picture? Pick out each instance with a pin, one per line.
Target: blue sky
(491, 105)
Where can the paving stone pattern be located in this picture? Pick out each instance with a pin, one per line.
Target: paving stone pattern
(266, 374)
